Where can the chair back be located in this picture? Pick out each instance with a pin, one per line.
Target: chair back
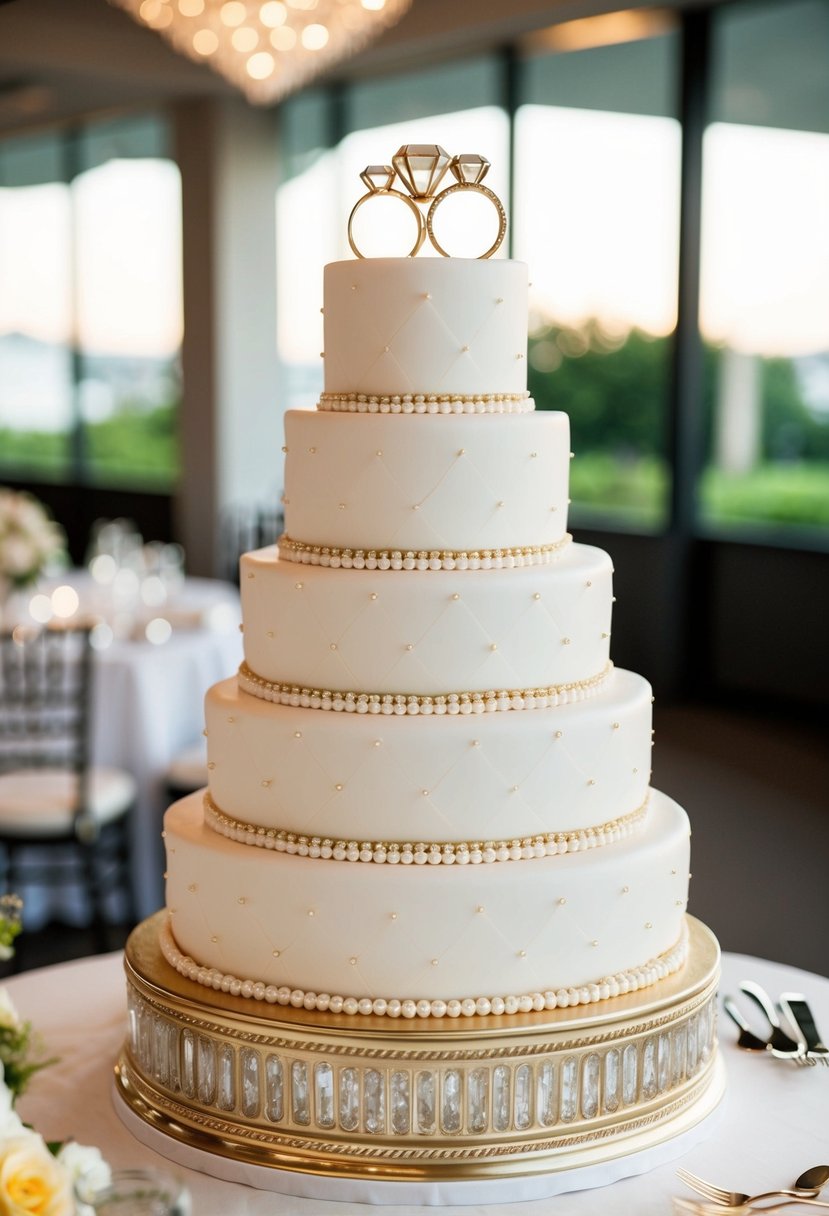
(242, 529)
(45, 701)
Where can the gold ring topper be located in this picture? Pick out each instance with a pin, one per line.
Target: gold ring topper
(419, 170)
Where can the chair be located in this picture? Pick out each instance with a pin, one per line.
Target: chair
(243, 528)
(62, 820)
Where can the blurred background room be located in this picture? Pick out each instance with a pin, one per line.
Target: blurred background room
(164, 221)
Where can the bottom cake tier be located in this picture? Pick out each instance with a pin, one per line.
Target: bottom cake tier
(315, 1094)
(427, 940)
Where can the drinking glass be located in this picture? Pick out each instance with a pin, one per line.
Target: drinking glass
(136, 1192)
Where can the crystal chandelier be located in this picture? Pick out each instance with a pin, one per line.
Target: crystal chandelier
(267, 48)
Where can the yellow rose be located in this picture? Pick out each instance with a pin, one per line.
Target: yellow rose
(9, 1017)
(32, 1182)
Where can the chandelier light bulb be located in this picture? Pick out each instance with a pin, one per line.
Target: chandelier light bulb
(261, 65)
(273, 13)
(155, 14)
(314, 37)
(205, 42)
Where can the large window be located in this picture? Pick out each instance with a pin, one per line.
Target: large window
(765, 270)
(596, 216)
(90, 305)
(36, 375)
(583, 125)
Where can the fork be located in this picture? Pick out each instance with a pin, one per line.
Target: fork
(736, 1199)
(696, 1208)
(796, 1009)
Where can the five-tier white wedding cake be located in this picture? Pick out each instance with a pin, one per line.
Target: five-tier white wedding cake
(428, 807)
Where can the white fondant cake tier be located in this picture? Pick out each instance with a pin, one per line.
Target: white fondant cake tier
(425, 325)
(379, 481)
(426, 932)
(448, 779)
(427, 633)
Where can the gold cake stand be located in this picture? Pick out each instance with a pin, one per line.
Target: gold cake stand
(479, 1098)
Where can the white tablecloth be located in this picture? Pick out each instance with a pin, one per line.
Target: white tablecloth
(775, 1122)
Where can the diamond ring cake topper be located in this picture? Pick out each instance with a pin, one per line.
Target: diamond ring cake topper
(414, 176)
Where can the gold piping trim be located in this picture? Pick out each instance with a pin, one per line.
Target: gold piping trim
(420, 559)
(402, 703)
(393, 852)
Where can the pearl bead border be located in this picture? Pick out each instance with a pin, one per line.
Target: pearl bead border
(420, 559)
(501, 700)
(427, 403)
(476, 852)
(561, 998)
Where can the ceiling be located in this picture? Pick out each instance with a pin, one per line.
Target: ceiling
(59, 60)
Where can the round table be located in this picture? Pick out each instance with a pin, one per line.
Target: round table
(771, 1127)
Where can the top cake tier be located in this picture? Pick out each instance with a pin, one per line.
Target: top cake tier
(432, 326)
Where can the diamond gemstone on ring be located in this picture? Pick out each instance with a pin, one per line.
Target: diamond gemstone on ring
(377, 177)
(469, 168)
(421, 167)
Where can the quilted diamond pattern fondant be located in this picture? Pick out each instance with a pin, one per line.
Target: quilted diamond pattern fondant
(419, 328)
(490, 776)
(460, 483)
(417, 633)
(428, 931)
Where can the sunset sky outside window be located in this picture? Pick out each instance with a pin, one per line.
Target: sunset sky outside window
(127, 233)
(600, 235)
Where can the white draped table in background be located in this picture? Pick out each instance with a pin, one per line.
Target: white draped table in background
(147, 707)
(773, 1125)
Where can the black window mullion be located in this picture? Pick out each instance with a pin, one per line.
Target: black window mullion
(685, 422)
(684, 414)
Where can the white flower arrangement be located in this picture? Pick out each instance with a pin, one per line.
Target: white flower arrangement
(36, 1176)
(29, 540)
